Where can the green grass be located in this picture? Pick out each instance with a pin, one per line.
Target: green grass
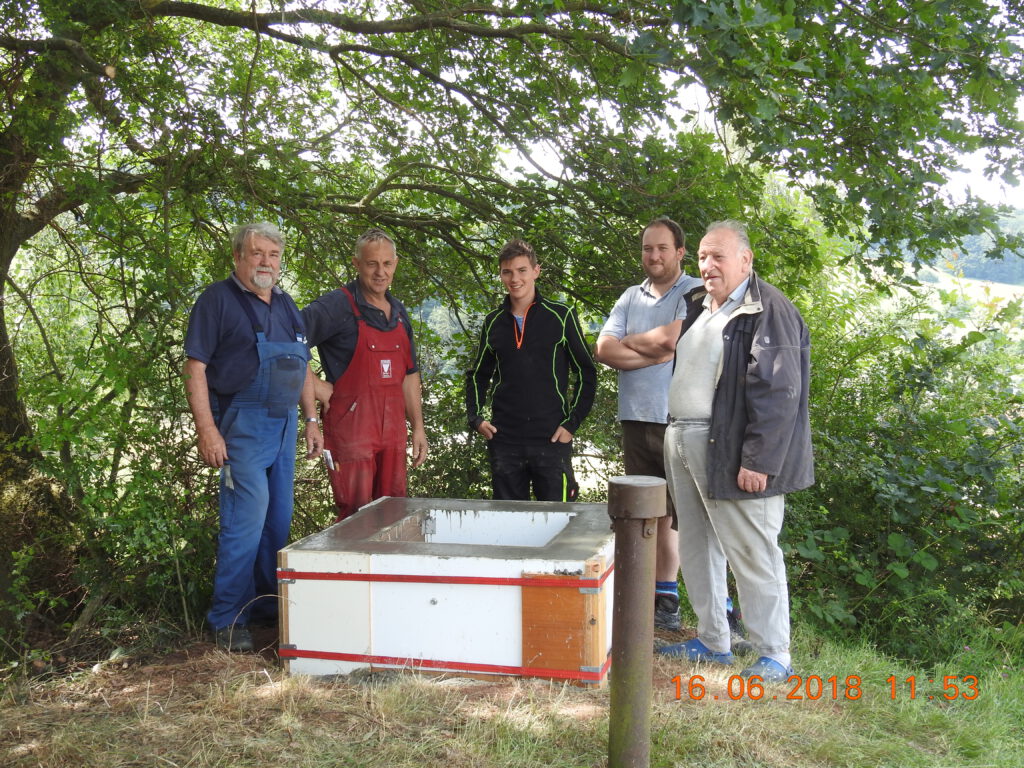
(211, 709)
(883, 727)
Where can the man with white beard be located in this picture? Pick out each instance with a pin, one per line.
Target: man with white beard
(245, 373)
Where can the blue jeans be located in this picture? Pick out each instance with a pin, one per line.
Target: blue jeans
(255, 514)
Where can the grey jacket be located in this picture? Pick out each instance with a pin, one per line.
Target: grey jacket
(759, 416)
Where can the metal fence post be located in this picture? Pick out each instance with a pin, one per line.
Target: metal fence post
(635, 502)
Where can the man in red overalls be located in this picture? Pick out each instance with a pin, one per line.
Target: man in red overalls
(364, 338)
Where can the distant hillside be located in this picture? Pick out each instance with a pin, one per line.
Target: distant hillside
(982, 290)
(973, 263)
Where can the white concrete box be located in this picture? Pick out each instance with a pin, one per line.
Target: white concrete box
(453, 586)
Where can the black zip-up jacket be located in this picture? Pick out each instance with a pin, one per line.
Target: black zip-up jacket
(532, 396)
(759, 414)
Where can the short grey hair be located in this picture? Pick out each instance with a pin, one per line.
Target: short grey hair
(243, 233)
(374, 235)
(736, 227)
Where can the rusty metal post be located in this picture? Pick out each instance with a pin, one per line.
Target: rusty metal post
(635, 502)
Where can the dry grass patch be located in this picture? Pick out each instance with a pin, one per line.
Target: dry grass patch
(203, 708)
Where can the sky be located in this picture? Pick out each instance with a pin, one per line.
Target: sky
(990, 190)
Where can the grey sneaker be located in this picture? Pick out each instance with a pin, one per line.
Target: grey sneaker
(740, 645)
(666, 613)
(233, 637)
(738, 634)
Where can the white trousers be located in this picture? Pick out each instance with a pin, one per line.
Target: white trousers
(712, 532)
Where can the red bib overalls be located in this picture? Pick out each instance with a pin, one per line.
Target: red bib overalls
(364, 428)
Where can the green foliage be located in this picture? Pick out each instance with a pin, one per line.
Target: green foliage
(100, 369)
(457, 466)
(915, 520)
(134, 135)
(890, 92)
(27, 598)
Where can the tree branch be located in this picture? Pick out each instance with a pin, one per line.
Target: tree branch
(472, 97)
(41, 326)
(61, 200)
(446, 19)
(62, 44)
(107, 110)
(267, 23)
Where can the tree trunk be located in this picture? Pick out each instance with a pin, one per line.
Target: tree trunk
(15, 429)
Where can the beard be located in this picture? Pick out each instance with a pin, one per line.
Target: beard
(263, 280)
(655, 271)
(661, 272)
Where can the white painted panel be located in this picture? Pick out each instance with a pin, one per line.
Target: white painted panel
(609, 608)
(330, 616)
(489, 567)
(453, 622)
(430, 565)
(327, 561)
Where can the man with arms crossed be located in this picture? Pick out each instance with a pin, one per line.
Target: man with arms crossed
(738, 440)
(364, 338)
(643, 384)
(246, 371)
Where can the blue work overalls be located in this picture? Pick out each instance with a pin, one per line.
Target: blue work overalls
(259, 428)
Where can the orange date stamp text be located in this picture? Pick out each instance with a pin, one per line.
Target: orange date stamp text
(833, 688)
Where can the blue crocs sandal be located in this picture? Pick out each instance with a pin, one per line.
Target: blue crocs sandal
(769, 670)
(695, 650)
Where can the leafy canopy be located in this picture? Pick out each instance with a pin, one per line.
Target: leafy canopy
(134, 133)
(404, 113)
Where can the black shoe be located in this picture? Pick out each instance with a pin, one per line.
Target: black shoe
(262, 622)
(666, 612)
(233, 637)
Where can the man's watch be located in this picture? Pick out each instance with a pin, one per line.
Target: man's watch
(312, 420)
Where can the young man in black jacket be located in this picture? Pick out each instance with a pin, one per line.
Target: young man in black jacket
(530, 347)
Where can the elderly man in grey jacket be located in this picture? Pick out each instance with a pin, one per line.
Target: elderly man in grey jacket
(739, 439)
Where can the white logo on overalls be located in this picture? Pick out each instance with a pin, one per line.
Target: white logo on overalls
(385, 369)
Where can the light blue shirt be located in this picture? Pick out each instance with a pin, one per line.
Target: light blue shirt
(733, 301)
(643, 393)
